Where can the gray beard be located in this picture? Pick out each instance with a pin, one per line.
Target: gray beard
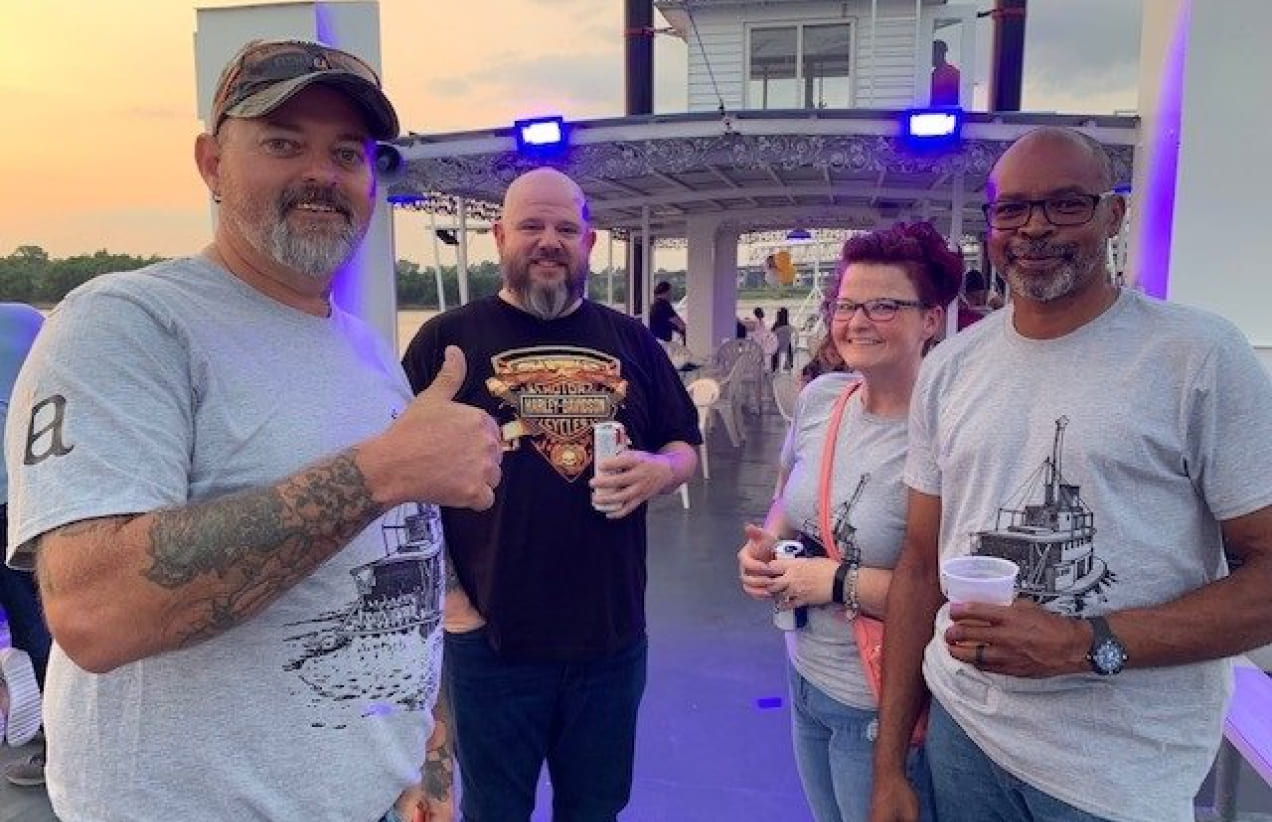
(1067, 279)
(1043, 290)
(315, 255)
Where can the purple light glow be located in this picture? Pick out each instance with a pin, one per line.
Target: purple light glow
(1155, 205)
(348, 288)
(324, 28)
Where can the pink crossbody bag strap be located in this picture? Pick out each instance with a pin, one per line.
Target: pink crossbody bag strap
(866, 630)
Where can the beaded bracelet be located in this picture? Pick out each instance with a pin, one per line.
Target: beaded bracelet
(852, 605)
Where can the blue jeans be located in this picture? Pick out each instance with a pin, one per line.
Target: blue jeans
(834, 751)
(511, 716)
(969, 787)
(21, 602)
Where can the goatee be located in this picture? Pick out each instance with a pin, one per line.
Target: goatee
(547, 300)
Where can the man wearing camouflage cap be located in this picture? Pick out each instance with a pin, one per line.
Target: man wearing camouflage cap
(228, 493)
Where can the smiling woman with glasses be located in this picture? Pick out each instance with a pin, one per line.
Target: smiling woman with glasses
(881, 310)
(849, 513)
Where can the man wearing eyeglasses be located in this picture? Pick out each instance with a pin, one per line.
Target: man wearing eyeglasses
(1111, 446)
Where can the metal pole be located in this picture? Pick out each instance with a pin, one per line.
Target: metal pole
(958, 199)
(461, 253)
(640, 268)
(874, 60)
(1007, 64)
(609, 273)
(437, 262)
(639, 55)
(918, 48)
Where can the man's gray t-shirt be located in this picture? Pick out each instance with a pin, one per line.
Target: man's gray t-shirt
(179, 383)
(1102, 462)
(867, 510)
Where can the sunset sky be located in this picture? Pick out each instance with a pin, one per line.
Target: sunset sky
(98, 98)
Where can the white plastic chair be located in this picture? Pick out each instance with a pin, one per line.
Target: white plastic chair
(741, 365)
(679, 355)
(785, 391)
(726, 404)
(705, 393)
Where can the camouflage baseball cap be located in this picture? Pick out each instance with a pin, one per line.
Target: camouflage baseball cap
(267, 73)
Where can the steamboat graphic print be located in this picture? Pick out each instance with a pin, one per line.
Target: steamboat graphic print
(1047, 529)
(845, 533)
(367, 652)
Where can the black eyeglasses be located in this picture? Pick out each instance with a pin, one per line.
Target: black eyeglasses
(880, 310)
(1063, 210)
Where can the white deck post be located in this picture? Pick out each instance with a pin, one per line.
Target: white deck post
(1201, 172)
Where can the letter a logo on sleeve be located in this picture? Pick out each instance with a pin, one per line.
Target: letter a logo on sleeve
(46, 440)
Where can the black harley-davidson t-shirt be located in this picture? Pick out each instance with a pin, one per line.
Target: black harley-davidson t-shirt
(554, 579)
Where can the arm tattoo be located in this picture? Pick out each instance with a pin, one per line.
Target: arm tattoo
(438, 773)
(235, 555)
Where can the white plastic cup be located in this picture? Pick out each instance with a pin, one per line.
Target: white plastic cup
(990, 580)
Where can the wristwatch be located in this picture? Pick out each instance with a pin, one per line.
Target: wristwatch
(1107, 654)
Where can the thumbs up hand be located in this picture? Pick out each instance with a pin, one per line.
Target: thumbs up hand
(439, 450)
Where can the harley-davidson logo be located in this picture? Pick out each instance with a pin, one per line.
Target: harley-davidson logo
(557, 395)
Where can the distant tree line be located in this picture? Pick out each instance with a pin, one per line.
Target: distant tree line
(417, 287)
(30, 275)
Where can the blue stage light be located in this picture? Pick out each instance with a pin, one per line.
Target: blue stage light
(932, 127)
(406, 199)
(541, 135)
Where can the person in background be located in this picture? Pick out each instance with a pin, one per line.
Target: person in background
(1099, 693)
(825, 359)
(24, 664)
(888, 307)
(664, 322)
(228, 492)
(945, 76)
(785, 334)
(762, 335)
(545, 619)
(973, 303)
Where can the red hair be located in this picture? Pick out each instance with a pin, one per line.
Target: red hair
(935, 269)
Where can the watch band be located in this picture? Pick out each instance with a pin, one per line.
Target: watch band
(837, 588)
(1100, 631)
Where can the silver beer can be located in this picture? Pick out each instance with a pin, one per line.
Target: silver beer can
(609, 439)
(789, 619)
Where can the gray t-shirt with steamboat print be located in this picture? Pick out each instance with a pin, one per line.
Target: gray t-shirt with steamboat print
(868, 461)
(1102, 462)
(179, 383)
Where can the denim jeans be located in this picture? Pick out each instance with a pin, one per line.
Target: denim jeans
(970, 787)
(21, 601)
(834, 751)
(512, 716)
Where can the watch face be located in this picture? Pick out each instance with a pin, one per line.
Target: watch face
(1108, 657)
